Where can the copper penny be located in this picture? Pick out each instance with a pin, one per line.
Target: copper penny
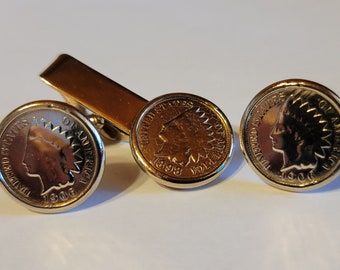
(182, 140)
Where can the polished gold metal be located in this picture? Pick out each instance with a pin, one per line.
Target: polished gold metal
(182, 140)
(290, 135)
(99, 94)
(106, 129)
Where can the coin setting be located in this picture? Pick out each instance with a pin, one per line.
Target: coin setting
(51, 156)
(182, 140)
(290, 135)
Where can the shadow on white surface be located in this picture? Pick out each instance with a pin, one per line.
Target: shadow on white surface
(117, 178)
(334, 185)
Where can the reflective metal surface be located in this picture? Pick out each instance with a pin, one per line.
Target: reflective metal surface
(51, 156)
(183, 140)
(192, 160)
(290, 135)
(94, 91)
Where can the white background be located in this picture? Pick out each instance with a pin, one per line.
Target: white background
(225, 51)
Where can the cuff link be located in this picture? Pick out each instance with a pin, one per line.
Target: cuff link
(290, 135)
(51, 156)
(181, 140)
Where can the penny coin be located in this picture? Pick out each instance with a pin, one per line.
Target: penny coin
(51, 156)
(182, 140)
(290, 135)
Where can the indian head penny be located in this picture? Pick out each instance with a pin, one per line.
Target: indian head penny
(51, 156)
(290, 135)
(182, 140)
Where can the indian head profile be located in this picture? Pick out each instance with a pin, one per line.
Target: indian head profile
(50, 157)
(301, 134)
(187, 137)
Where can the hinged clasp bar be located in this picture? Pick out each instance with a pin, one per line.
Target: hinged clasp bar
(104, 97)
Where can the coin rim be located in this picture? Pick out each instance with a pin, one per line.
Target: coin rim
(256, 100)
(91, 130)
(161, 177)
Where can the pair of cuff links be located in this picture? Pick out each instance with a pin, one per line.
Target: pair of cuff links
(52, 155)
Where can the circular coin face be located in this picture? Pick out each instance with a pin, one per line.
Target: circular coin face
(183, 140)
(51, 156)
(290, 135)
